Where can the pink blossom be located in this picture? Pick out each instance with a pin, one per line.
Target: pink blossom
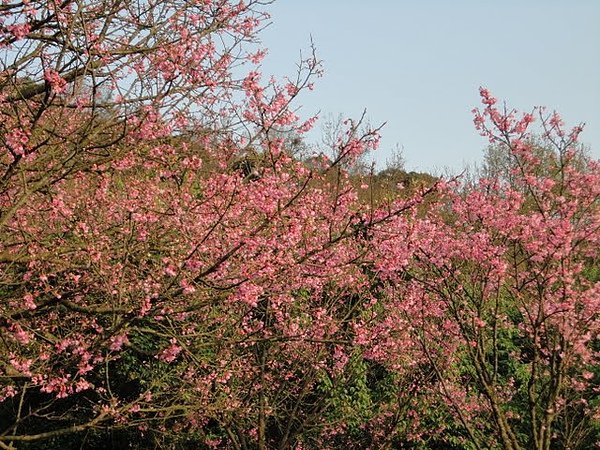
(21, 336)
(486, 97)
(188, 288)
(56, 82)
(19, 31)
(29, 301)
(17, 140)
(169, 354)
(118, 341)
(83, 385)
(22, 366)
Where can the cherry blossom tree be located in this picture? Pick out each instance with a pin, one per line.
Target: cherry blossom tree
(500, 291)
(147, 282)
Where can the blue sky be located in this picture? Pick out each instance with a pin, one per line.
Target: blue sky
(417, 65)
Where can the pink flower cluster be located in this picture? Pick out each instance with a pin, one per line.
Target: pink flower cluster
(56, 82)
(170, 353)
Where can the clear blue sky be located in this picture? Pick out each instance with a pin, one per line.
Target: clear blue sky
(417, 65)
